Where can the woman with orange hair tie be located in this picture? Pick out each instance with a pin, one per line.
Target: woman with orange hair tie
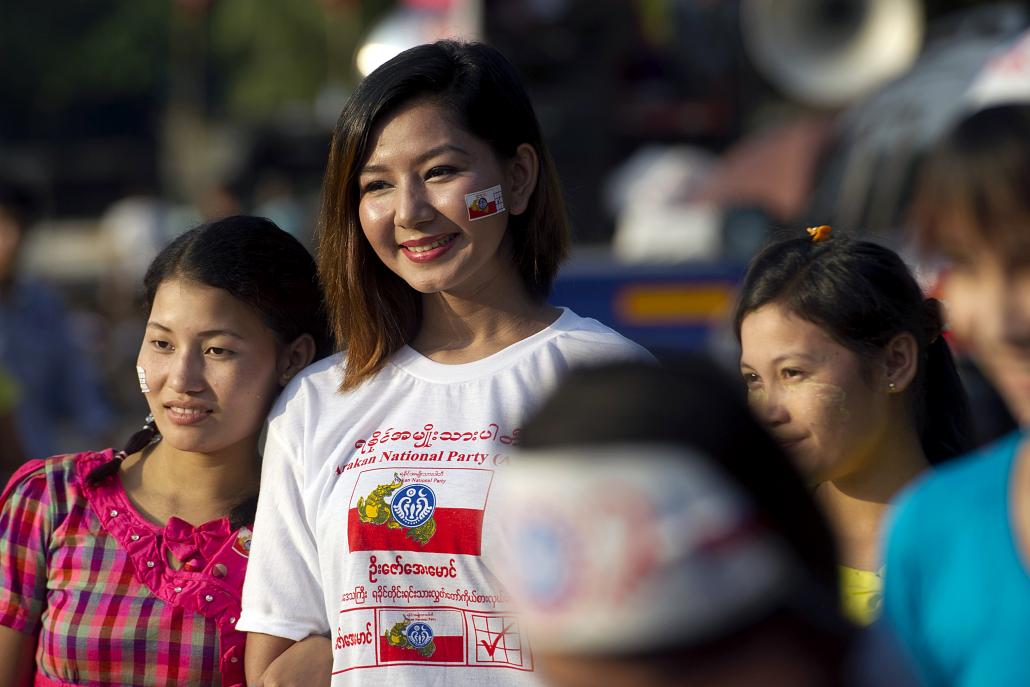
(844, 362)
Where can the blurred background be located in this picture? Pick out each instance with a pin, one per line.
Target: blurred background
(685, 132)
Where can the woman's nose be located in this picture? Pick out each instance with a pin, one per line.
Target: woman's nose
(413, 206)
(186, 373)
(769, 407)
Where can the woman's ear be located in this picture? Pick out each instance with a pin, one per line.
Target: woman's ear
(523, 169)
(294, 357)
(901, 362)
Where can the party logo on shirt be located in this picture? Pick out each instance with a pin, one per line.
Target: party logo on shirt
(411, 509)
(242, 543)
(429, 510)
(408, 635)
(422, 635)
(413, 505)
(419, 635)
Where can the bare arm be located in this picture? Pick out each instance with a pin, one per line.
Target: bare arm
(307, 663)
(261, 651)
(17, 656)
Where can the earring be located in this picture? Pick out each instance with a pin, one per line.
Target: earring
(892, 386)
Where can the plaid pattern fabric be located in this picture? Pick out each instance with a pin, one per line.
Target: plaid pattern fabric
(64, 577)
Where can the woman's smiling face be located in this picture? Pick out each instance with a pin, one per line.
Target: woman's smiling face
(412, 205)
(210, 364)
(811, 393)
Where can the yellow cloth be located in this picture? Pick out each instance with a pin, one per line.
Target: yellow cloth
(861, 594)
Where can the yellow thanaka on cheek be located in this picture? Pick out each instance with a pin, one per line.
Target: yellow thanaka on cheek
(831, 397)
(821, 409)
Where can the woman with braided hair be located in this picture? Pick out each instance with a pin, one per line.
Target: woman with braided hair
(126, 567)
(844, 361)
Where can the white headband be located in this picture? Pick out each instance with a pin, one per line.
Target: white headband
(634, 548)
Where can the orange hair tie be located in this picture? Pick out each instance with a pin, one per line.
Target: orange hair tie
(820, 233)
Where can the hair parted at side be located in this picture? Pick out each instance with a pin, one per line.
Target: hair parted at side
(373, 311)
(975, 185)
(863, 295)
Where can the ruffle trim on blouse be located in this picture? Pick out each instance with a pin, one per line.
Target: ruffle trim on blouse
(213, 557)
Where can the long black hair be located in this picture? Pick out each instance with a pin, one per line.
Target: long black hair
(863, 295)
(260, 265)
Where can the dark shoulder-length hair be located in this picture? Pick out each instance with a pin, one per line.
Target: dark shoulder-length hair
(863, 295)
(373, 311)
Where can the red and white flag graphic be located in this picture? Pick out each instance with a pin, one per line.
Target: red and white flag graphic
(484, 203)
(421, 636)
(434, 510)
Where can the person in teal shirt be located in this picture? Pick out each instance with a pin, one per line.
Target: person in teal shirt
(957, 589)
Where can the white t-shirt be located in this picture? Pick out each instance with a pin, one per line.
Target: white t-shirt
(375, 523)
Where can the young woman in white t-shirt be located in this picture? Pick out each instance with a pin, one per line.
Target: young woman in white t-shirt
(441, 231)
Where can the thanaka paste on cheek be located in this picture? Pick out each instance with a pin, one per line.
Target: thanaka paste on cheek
(823, 409)
(142, 375)
(833, 398)
(485, 203)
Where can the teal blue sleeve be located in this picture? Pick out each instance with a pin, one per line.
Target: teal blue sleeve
(905, 581)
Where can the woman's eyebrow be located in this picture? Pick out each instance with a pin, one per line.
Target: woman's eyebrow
(206, 334)
(431, 153)
(791, 354)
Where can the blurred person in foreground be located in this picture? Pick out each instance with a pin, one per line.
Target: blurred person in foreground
(958, 552)
(56, 379)
(666, 539)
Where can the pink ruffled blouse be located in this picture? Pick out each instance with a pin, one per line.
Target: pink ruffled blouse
(83, 570)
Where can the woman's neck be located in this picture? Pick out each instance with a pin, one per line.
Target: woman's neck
(857, 502)
(467, 327)
(196, 487)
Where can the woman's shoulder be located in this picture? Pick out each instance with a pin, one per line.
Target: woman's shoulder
(308, 393)
(974, 476)
(959, 494)
(324, 373)
(54, 478)
(594, 340)
(319, 377)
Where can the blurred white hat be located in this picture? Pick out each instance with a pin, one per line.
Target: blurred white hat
(635, 548)
(1005, 79)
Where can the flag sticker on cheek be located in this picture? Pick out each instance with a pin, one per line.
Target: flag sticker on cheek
(142, 374)
(484, 203)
